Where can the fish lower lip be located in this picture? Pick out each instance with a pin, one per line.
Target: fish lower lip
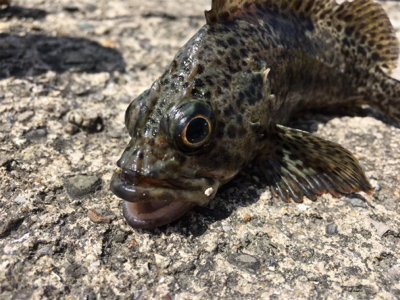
(151, 203)
(153, 214)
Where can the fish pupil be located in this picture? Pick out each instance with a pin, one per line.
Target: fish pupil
(197, 130)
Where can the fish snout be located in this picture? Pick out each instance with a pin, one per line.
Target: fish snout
(148, 157)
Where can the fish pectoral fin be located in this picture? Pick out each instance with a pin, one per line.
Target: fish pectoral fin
(302, 164)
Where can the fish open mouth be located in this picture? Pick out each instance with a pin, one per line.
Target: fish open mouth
(155, 202)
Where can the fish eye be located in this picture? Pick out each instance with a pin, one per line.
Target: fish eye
(192, 126)
(196, 131)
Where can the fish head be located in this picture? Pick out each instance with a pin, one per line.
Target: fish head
(186, 141)
(173, 160)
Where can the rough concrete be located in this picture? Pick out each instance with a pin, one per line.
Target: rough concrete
(88, 59)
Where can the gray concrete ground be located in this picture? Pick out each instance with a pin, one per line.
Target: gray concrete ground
(63, 236)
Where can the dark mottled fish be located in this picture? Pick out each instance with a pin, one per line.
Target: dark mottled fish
(222, 102)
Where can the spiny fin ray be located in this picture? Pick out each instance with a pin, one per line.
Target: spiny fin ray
(304, 165)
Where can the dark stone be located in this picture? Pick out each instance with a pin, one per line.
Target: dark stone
(120, 237)
(36, 134)
(75, 271)
(331, 229)
(22, 294)
(356, 202)
(10, 224)
(245, 262)
(70, 8)
(81, 185)
(302, 254)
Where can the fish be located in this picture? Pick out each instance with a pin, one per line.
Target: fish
(228, 94)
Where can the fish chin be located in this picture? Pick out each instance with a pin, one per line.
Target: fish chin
(153, 214)
(154, 202)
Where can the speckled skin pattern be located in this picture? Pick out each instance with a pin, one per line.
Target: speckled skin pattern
(256, 65)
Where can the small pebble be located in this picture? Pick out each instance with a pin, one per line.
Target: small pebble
(82, 185)
(226, 228)
(125, 99)
(395, 271)
(85, 26)
(91, 7)
(108, 44)
(36, 134)
(381, 228)
(161, 261)
(44, 250)
(90, 121)
(25, 116)
(9, 225)
(375, 185)
(247, 218)
(303, 207)
(91, 258)
(331, 229)
(75, 118)
(20, 199)
(245, 262)
(97, 218)
(71, 129)
(356, 202)
(120, 237)
(70, 8)
(76, 157)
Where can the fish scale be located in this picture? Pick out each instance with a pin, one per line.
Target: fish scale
(226, 96)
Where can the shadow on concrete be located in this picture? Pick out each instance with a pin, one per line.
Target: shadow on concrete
(34, 54)
(22, 13)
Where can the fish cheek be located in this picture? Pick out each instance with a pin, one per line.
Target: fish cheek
(222, 163)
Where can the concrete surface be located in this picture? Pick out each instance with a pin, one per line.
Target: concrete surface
(68, 71)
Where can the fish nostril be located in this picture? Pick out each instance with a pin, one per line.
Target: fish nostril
(140, 154)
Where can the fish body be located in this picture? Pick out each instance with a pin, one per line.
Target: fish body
(225, 97)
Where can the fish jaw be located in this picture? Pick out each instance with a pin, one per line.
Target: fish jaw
(155, 202)
(153, 214)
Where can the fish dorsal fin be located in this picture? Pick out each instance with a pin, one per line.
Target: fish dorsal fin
(366, 32)
(361, 28)
(224, 10)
